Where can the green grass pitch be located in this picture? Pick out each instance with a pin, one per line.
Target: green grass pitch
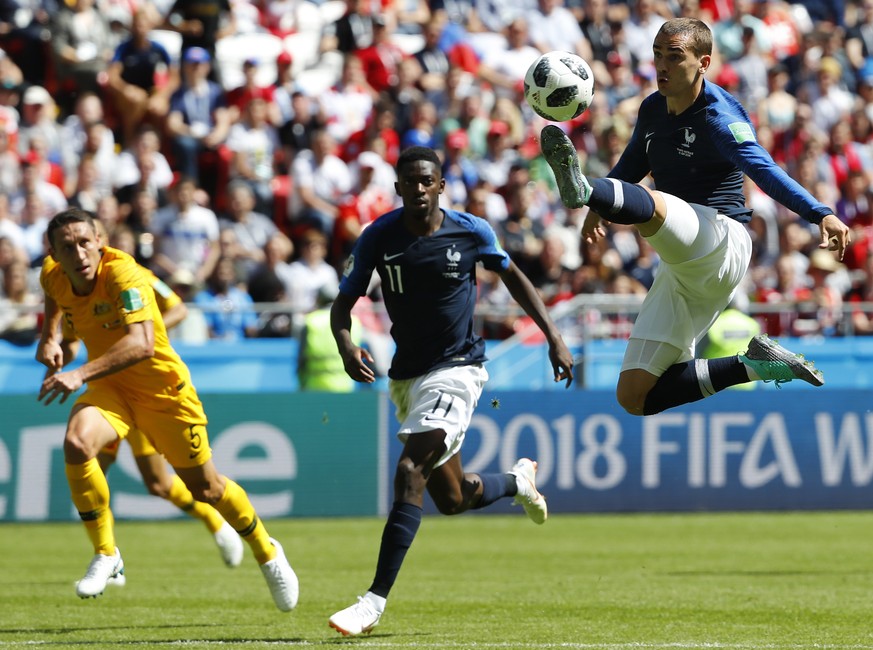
(761, 581)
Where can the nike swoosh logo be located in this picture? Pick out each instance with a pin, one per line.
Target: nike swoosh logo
(388, 257)
(649, 134)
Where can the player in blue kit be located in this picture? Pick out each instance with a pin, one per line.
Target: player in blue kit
(697, 142)
(426, 258)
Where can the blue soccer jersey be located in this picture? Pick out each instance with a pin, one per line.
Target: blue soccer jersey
(429, 287)
(701, 154)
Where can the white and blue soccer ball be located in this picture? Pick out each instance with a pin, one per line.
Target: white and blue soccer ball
(559, 86)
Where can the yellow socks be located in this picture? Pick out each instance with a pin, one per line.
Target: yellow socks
(90, 493)
(181, 497)
(236, 508)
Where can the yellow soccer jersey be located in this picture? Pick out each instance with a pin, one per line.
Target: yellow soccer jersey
(122, 296)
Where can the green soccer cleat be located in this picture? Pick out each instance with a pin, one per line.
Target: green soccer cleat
(772, 362)
(561, 155)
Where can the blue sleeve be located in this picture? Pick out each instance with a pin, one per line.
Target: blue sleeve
(359, 266)
(491, 253)
(633, 165)
(736, 139)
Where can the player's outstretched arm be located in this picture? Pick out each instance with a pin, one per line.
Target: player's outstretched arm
(835, 235)
(526, 295)
(357, 362)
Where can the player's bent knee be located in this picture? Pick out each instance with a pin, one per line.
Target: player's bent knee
(408, 479)
(631, 400)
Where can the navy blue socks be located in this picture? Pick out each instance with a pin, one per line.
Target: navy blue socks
(693, 380)
(494, 487)
(400, 529)
(621, 202)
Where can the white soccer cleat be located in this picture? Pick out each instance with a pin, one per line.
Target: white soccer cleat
(230, 545)
(534, 503)
(281, 579)
(117, 580)
(356, 619)
(100, 571)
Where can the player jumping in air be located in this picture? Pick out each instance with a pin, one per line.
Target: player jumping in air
(697, 142)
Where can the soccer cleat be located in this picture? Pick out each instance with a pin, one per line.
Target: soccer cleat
(100, 571)
(534, 503)
(230, 545)
(561, 155)
(772, 362)
(356, 619)
(281, 579)
(118, 580)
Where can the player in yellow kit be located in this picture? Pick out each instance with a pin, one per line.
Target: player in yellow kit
(135, 381)
(152, 466)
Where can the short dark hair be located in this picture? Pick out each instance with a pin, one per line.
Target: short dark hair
(698, 33)
(72, 215)
(414, 154)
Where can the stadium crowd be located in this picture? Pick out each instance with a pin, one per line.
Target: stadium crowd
(238, 190)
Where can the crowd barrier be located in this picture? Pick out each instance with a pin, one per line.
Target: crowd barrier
(258, 365)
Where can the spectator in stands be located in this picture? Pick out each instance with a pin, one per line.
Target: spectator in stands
(433, 60)
(9, 228)
(228, 309)
(238, 98)
(141, 163)
(296, 134)
(382, 58)
(194, 329)
(267, 287)
(34, 221)
(87, 194)
(284, 87)
(78, 133)
(859, 38)
(202, 23)
(832, 102)
(500, 155)
(38, 111)
(255, 152)
(350, 32)
(49, 171)
(252, 229)
(597, 31)
(51, 196)
(505, 68)
(347, 106)
(186, 234)
(459, 170)
(199, 119)
(277, 252)
(82, 45)
(319, 182)
(553, 27)
(18, 315)
(308, 274)
(142, 77)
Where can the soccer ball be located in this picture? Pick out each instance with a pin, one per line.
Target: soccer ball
(559, 86)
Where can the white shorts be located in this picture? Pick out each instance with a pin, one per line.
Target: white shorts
(687, 297)
(443, 399)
